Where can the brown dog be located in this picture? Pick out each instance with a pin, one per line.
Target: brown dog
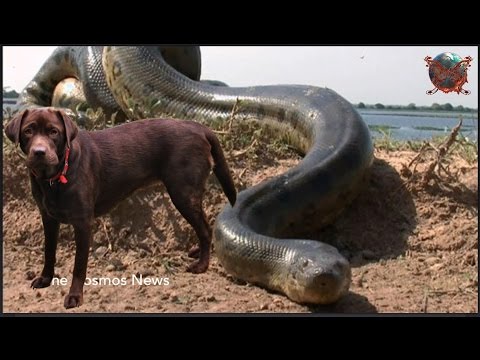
(77, 175)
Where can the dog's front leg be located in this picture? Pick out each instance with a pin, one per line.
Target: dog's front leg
(83, 234)
(50, 229)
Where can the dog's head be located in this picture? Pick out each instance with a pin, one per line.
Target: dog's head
(43, 135)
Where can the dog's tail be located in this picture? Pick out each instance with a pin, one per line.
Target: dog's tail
(221, 169)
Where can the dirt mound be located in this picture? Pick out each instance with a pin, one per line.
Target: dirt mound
(412, 248)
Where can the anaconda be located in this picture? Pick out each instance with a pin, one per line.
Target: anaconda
(254, 240)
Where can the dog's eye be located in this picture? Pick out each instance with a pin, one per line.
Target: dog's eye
(28, 132)
(53, 132)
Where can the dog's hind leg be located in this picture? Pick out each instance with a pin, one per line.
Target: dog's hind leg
(188, 201)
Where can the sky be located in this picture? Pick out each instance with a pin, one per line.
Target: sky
(391, 75)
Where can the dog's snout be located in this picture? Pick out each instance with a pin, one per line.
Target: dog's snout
(39, 151)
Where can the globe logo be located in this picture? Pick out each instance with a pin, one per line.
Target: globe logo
(448, 72)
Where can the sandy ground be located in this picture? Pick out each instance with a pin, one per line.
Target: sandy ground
(412, 249)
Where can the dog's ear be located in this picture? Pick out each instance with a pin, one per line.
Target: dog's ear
(71, 129)
(12, 129)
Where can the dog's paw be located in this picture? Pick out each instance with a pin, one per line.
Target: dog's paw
(41, 282)
(198, 267)
(73, 300)
(194, 252)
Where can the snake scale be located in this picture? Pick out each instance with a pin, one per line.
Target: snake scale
(255, 240)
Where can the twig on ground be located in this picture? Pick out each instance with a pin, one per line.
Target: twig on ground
(230, 120)
(425, 302)
(221, 132)
(433, 170)
(110, 245)
(244, 151)
(233, 114)
(242, 173)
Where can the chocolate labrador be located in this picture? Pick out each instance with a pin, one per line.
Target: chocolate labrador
(77, 175)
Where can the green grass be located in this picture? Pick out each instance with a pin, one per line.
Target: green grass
(382, 128)
(431, 128)
(251, 138)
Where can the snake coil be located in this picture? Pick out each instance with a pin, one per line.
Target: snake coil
(253, 240)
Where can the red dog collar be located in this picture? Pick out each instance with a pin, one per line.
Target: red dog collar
(61, 175)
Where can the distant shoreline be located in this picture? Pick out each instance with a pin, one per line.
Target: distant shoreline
(12, 102)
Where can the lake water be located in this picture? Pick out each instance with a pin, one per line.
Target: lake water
(418, 125)
(413, 125)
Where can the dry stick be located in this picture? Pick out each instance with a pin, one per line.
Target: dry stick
(446, 171)
(425, 302)
(241, 152)
(443, 149)
(220, 132)
(425, 144)
(433, 170)
(230, 120)
(411, 175)
(110, 246)
(451, 139)
(230, 124)
(233, 114)
(241, 174)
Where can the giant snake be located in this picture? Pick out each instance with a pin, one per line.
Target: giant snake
(255, 240)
